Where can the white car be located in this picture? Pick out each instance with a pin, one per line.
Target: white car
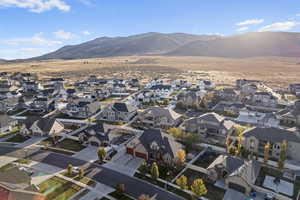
(75, 170)
(269, 196)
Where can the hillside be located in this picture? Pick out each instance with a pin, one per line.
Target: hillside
(143, 44)
(281, 44)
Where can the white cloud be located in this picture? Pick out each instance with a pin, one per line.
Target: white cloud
(279, 26)
(250, 22)
(86, 33)
(21, 53)
(298, 15)
(244, 28)
(37, 39)
(61, 34)
(36, 6)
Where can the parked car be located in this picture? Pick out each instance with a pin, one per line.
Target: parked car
(269, 196)
(75, 170)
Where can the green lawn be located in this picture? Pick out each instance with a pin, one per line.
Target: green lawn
(84, 180)
(58, 189)
(17, 139)
(23, 161)
(6, 167)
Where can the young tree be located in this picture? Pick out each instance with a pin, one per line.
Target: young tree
(180, 156)
(144, 197)
(176, 132)
(266, 152)
(81, 173)
(239, 145)
(143, 169)
(227, 142)
(101, 154)
(70, 169)
(120, 188)
(282, 155)
(154, 171)
(198, 188)
(182, 182)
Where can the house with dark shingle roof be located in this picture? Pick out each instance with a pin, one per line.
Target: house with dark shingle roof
(290, 117)
(46, 127)
(154, 145)
(94, 135)
(209, 124)
(158, 117)
(256, 138)
(82, 108)
(118, 111)
(238, 174)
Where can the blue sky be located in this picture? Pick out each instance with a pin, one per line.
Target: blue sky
(33, 27)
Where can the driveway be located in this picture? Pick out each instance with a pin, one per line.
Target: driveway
(89, 154)
(31, 141)
(124, 163)
(232, 194)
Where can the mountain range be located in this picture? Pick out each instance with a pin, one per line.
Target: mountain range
(284, 44)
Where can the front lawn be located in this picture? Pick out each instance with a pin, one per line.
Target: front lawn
(23, 161)
(58, 189)
(69, 144)
(84, 180)
(6, 167)
(18, 138)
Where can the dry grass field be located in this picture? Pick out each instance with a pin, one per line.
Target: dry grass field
(275, 71)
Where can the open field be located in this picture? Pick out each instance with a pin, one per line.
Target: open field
(276, 71)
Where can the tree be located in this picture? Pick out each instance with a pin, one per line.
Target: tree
(239, 130)
(239, 145)
(266, 152)
(282, 155)
(198, 188)
(154, 171)
(143, 169)
(182, 182)
(227, 142)
(70, 169)
(81, 173)
(180, 156)
(101, 154)
(144, 197)
(176, 132)
(120, 188)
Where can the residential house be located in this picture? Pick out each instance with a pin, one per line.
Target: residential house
(118, 111)
(263, 99)
(209, 124)
(206, 85)
(190, 99)
(7, 123)
(228, 94)
(157, 117)
(294, 88)
(162, 90)
(255, 139)
(238, 174)
(94, 135)
(241, 82)
(154, 145)
(249, 89)
(82, 108)
(46, 127)
(290, 117)
(229, 107)
(15, 184)
(254, 118)
(26, 125)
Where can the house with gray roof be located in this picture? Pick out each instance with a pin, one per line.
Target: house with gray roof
(255, 139)
(290, 117)
(6, 123)
(46, 127)
(209, 124)
(94, 135)
(238, 174)
(118, 111)
(158, 117)
(154, 145)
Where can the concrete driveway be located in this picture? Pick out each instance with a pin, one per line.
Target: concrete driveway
(124, 163)
(88, 154)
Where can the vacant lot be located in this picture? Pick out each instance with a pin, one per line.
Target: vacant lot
(220, 70)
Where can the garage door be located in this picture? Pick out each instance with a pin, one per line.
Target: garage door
(94, 144)
(237, 187)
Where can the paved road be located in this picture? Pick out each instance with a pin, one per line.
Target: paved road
(134, 187)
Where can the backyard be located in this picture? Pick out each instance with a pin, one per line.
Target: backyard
(206, 159)
(58, 189)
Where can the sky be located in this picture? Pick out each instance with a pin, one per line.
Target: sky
(33, 27)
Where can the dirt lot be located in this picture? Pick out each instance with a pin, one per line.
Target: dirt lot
(275, 71)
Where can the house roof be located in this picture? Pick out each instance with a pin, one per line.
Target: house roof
(5, 120)
(45, 124)
(164, 142)
(161, 87)
(30, 120)
(163, 112)
(272, 134)
(213, 117)
(123, 107)
(98, 131)
(231, 163)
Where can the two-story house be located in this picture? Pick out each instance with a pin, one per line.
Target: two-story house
(118, 111)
